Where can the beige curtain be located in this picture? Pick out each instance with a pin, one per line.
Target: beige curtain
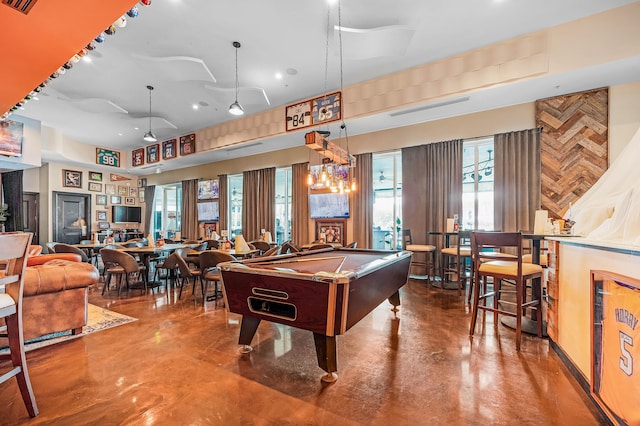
(223, 204)
(258, 202)
(414, 190)
(189, 214)
(362, 210)
(517, 179)
(444, 183)
(149, 193)
(299, 204)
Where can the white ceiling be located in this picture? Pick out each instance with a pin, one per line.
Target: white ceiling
(184, 49)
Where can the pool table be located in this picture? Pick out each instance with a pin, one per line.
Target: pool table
(324, 291)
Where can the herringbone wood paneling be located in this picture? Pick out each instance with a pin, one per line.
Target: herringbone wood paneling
(574, 144)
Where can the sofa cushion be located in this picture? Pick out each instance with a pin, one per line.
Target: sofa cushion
(44, 258)
(58, 275)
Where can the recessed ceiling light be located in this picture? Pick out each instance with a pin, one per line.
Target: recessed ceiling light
(195, 106)
(278, 76)
(86, 58)
(119, 134)
(136, 128)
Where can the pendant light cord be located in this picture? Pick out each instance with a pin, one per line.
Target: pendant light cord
(237, 46)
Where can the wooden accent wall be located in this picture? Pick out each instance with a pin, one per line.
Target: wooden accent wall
(574, 144)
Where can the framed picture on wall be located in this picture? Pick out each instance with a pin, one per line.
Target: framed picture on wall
(208, 189)
(153, 153)
(141, 196)
(137, 157)
(116, 199)
(110, 189)
(133, 191)
(188, 144)
(334, 231)
(169, 149)
(101, 215)
(95, 186)
(95, 176)
(101, 200)
(72, 179)
(129, 200)
(142, 182)
(123, 191)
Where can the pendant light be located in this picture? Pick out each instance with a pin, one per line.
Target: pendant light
(235, 108)
(149, 136)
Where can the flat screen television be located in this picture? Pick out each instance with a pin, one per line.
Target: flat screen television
(11, 134)
(126, 214)
(328, 205)
(208, 211)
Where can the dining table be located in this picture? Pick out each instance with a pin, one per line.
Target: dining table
(145, 253)
(450, 285)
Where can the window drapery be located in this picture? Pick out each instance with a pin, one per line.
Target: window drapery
(189, 214)
(517, 179)
(362, 198)
(149, 193)
(223, 204)
(299, 204)
(13, 191)
(258, 202)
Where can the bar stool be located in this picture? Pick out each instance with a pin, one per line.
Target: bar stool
(454, 261)
(419, 249)
(507, 268)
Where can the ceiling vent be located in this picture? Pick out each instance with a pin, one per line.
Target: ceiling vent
(23, 6)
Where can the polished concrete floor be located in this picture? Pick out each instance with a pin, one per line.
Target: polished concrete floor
(179, 364)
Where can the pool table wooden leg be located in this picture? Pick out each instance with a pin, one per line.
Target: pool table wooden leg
(394, 299)
(326, 353)
(248, 329)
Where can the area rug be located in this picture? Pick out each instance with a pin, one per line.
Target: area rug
(98, 319)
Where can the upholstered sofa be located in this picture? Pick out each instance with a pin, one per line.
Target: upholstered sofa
(55, 294)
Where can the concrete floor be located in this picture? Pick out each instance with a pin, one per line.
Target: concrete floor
(180, 364)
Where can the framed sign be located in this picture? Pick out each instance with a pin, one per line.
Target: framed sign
(95, 186)
(334, 231)
(72, 179)
(141, 196)
(129, 200)
(123, 191)
(95, 176)
(116, 199)
(101, 200)
(153, 153)
(615, 341)
(101, 215)
(169, 149)
(107, 157)
(137, 157)
(142, 182)
(188, 144)
(110, 189)
(133, 191)
(298, 116)
(326, 108)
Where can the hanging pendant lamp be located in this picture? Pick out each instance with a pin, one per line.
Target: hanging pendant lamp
(235, 108)
(149, 136)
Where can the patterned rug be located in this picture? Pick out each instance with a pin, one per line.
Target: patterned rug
(97, 319)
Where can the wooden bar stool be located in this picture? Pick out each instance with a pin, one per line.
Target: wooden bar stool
(422, 254)
(454, 261)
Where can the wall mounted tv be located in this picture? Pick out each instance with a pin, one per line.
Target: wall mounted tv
(328, 205)
(208, 211)
(11, 134)
(126, 214)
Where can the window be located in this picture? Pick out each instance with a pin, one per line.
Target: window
(234, 190)
(477, 185)
(167, 211)
(283, 205)
(387, 200)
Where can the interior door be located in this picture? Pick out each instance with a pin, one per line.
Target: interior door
(30, 214)
(72, 218)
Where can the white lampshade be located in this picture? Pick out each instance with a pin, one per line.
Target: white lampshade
(241, 244)
(267, 237)
(214, 235)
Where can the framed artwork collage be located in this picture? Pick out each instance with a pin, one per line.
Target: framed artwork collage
(171, 148)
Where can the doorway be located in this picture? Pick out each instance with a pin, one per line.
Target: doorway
(31, 215)
(72, 217)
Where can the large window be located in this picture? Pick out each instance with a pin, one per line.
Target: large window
(387, 200)
(235, 204)
(167, 215)
(477, 185)
(283, 205)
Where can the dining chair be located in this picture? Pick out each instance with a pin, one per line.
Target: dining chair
(187, 274)
(353, 244)
(417, 253)
(51, 247)
(209, 261)
(512, 269)
(67, 248)
(122, 264)
(169, 265)
(261, 245)
(289, 247)
(271, 252)
(35, 250)
(14, 249)
(454, 261)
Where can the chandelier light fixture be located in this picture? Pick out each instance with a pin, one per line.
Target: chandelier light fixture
(149, 136)
(235, 108)
(337, 170)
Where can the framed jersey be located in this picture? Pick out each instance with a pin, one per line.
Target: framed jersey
(615, 341)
